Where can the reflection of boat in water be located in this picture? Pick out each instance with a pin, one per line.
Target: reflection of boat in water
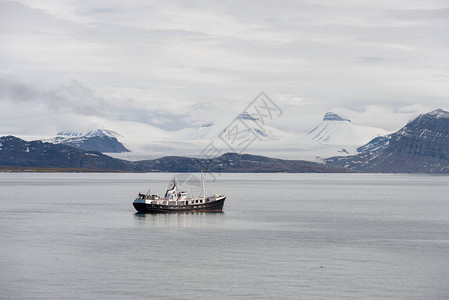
(176, 200)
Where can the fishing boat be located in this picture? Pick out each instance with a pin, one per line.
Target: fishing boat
(176, 200)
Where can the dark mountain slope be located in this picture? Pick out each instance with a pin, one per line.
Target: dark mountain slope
(422, 146)
(233, 162)
(15, 152)
(101, 140)
(19, 153)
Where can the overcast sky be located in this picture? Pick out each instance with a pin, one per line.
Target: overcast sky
(176, 64)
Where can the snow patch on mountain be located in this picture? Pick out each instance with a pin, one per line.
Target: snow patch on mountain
(438, 113)
(89, 133)
(376, 144)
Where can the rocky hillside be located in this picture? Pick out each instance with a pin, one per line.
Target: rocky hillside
(15, 152)
(233, 162)
(422, 146)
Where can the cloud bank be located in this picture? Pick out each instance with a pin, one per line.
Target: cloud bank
(177, 64)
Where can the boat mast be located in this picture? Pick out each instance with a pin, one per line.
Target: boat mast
(202, 183)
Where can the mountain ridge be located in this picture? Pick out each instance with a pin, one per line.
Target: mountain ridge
(337, 130)
(15, 152)
(421, 146)
(100, 139)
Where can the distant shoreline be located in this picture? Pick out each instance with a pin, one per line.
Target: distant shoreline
(8, 169)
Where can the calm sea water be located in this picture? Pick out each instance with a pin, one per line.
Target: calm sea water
(281, 236)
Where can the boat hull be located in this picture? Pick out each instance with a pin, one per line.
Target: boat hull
(215, 206)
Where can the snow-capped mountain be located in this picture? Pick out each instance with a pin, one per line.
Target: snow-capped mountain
(246, 126)
(336, 130)
(249, 127)
(20, 153)
(207, 131)
(334, 136)
(420, 146)
(101, 140)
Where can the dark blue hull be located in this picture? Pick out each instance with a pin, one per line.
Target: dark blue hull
(215, 206)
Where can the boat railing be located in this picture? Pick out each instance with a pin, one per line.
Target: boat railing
(171, 202)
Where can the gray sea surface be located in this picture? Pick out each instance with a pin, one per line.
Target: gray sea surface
(281, 236)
